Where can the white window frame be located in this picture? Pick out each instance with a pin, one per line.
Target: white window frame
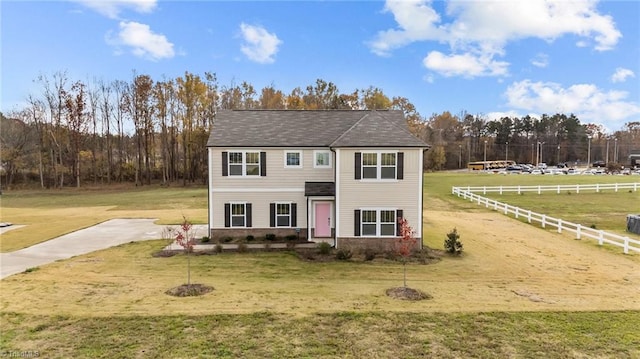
(244, 215)
(378, 222)
(315, 158)
(244, 163)
(379, 166)
(286, 154)
(288, 204)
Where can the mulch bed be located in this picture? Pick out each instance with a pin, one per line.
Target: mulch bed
(189, 290)
(406, 293)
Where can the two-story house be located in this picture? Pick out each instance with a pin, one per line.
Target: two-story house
(343, 177)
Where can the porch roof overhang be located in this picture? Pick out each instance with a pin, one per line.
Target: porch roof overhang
(316, 189)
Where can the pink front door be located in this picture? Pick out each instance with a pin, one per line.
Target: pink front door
(323, 219)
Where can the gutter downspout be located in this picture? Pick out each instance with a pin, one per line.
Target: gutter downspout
(335, 196)
(424, 151)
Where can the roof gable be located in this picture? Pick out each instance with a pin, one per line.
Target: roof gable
(377, 129)
(311, 128)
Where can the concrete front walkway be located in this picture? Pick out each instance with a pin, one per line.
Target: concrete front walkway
(104, 235)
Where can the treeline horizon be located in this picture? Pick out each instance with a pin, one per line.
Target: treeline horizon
(148, 131)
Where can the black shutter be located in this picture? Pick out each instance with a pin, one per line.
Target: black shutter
(272, 217)
(248, 214)
(356, 221)
(358, 165)
(294, 215)
(400, 164)
(398, 216)
(227, 215)
(225, 164)
(263, 164)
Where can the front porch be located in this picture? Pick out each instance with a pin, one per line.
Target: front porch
(321, 212)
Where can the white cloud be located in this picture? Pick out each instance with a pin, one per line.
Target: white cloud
(587, 101)
(259, 45)
(417, 22)
(112, 8)
(483, 28)
(496, 116)
(142, 41)
(621, 75)
(541, 60)
(466, 65)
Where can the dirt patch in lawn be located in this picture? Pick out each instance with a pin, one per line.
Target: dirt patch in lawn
(189, 290)
(406, 293)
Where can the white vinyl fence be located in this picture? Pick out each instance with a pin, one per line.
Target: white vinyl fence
(561, 225)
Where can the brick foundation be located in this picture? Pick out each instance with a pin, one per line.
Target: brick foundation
(356, 244)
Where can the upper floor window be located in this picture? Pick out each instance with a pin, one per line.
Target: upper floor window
(244, 163)
(293, 159)
(322, 159)
(379, 165)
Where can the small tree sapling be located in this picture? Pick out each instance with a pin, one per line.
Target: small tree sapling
(452, 244)
(405, 244)
(186, 238)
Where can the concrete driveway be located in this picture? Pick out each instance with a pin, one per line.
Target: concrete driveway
(104, 235)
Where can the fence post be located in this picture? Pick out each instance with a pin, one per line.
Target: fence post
(505, 208)
(578, 231)
(558, 189)
(529, 216)
(544, 221)
(626, 245)
(484, 190)
(517, 212)
(616, 189)
(539, 189)
(601, 238)
(577, 188)
(495, 205)
(501, 190)
(519, 189)
(486, 202)
(597, 187)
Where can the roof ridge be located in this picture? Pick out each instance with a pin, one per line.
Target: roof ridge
(367, 113)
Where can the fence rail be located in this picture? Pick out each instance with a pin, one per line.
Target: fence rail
(561, 225)
(634, 186)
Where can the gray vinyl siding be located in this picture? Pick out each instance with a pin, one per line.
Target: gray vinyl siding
(277, 175)
(259, 206)
(399, 194)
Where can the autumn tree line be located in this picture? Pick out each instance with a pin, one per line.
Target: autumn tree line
(146, 131)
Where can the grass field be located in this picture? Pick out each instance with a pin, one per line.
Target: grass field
(52, 213)
(111, 303)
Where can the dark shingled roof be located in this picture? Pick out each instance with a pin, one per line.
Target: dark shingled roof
(319, 189)
(311, 128)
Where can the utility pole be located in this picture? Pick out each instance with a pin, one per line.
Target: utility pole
(506, 153)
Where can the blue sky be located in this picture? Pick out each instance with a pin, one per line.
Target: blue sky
(491, 58)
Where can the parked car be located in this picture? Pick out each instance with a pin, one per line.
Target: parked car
(598, 164)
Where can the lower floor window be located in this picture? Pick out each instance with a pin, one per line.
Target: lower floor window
(283, 214)
(378, 223)
(238, 215)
